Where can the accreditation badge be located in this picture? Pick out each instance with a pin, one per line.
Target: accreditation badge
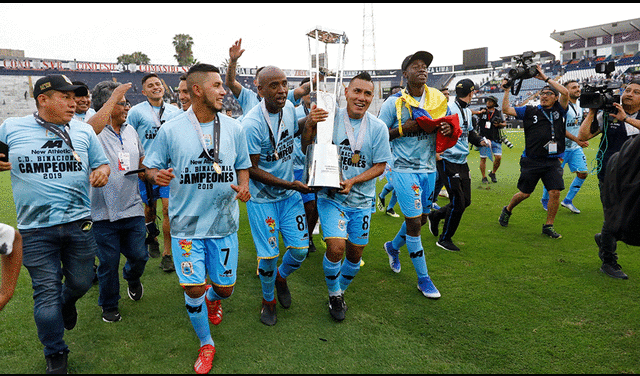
(124, 161)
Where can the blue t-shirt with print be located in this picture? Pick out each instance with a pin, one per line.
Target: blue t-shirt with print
(143, 118)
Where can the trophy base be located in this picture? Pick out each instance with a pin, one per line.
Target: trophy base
(323, 166)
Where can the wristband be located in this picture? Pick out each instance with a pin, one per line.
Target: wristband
(625, 118)
(400, 130)
(547, 80)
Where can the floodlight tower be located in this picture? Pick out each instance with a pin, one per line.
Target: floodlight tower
(369, 51)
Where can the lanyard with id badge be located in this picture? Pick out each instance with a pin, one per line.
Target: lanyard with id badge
(551, 146)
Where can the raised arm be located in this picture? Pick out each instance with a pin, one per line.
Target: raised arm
(235, 51)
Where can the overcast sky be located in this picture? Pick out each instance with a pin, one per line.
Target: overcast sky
(274, 34)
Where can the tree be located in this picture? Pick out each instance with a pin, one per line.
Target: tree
(134, 58)
(182, 44)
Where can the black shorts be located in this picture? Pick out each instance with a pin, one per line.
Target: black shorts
(532, 170)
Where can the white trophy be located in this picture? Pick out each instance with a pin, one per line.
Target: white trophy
(323, 167)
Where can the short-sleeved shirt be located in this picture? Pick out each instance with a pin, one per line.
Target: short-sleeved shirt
(50, 187)
(375, 149)
(142, 117)
(486, 124)
(616, 134)
(538, 130)
(248, 99)
(202, 203)
(86, 116)
(299, 158)
(574, 120)
(256, 131)
(120, 197)
(415, 151)
(458, 152)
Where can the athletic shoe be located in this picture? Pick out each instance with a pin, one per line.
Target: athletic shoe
(337, 307)
(569, 205)
(550, 231)
(57, 363)
(394, 260)
(392, 213)
(443, 193)
(167, 264)
(504, 217)
(485, 181)
(154, 248)
(493, 177)
(448, 245)
(435, 206)
(111, 315)
(427, 288)
(284, 295)
(361, 262)
(613, 270)
(69, 315)
(433, 224)
(544, 204)
(312, 247)
(135, 291)
(205, 359)
(214, 308)
(316, 229)
(268, 312)
(380, 203)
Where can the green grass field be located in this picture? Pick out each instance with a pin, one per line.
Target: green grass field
(513, 301)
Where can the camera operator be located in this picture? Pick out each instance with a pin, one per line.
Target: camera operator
(616, 129)
(544, 136)
(490, 121)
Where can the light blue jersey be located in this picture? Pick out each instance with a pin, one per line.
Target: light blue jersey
(50, 187)
(143, 118)
(256, 132)
(574, 119)
(375, 149)
(86, 116)
(202, 203)
(414, 152)
(248, 99)
(299, 154)
(458, 152)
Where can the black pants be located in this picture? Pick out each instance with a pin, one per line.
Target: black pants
(457, 181)
(608, 241)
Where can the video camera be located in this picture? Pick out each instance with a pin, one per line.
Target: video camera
(600, 96)
(524, 69)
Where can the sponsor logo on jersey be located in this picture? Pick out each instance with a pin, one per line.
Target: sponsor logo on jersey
(186, 246)
(271, 223)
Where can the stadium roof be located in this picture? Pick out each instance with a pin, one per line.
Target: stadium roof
(596, 31)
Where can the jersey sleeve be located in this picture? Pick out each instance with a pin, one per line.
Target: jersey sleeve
(158, 152)
(520, 111)
(97, 157)
(388, 113)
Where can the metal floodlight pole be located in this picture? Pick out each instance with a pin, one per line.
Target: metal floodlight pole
(310, 65)
(317, 58)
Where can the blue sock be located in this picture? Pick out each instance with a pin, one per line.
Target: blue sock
(197, 311)
(385, 190)
(400, 238)
(212, 295)
(347, 273)
(331, 275)
(292, 260)
(414, 247)
(267, 270)
(545, 194)
(573, 190)
(393, 200)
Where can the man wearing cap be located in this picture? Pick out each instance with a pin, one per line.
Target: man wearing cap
(490, 121)
(83, 104)
(544, 137)
(454, 170)
(413, 169)
(53, 159)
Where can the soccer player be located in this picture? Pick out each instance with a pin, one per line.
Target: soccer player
(413, 169)
(573, 154)
(183, 93)
(203, 155)
(83, 104)
(11, 257)
(53, 159)
(276, 205)
(147, 117)
(544, 137)
(363, 142)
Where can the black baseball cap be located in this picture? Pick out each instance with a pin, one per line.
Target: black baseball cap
(464, 87)
(420, 55)
(58, 82)
(491, 98)
(551, 88)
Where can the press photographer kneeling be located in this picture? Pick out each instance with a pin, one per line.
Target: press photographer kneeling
(618, 122)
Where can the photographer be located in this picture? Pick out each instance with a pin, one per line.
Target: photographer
(544, 131)
(616, 129)
(489, 124)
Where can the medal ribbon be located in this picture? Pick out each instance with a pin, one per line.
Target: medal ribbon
(60, 132)
(274, 141)
(356, 145)
(157, 117)
(216, 137)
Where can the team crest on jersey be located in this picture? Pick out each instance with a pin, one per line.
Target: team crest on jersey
(186, 247)
(418, 204)
(271, 223)
(273, 242)
(50, 134)
(416, 189)
(187, 268)
(342, 225)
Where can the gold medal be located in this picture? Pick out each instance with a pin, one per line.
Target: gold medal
(355, 158)
(275, 154)
(76, 156)
(216, 167)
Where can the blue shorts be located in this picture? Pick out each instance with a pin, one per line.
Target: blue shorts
(343, 222)
(306, 197)
(286, 217)
(413, 191)
(195, 258)
(496, 149)
(576, 160)
(158, 191)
